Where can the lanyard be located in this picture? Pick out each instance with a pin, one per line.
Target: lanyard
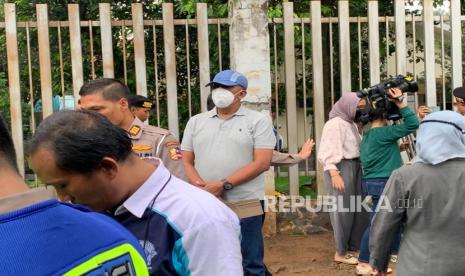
(150, 212)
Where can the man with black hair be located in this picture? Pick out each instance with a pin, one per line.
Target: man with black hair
(41, 236)
(183, 230)
(110, 97)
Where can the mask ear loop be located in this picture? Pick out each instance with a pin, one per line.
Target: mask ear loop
(445, 122)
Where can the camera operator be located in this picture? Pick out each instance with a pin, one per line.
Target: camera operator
(380, 156)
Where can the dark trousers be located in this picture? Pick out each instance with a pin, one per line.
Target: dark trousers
(374, 187)
(252, 245)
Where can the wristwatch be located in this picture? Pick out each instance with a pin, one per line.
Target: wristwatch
(227, 185)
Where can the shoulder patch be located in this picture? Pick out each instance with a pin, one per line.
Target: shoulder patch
(171, 144)
(175, 153)
(134, 130)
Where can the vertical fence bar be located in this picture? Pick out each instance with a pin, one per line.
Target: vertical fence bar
(106, 38)
(14, 83)
(219, 45)
(188, 62)
(304, 87)
(91, 46)
(44, 59)
(123, 38)
(414, 67)
(359, 36)
(291, 104)
(139, 48)
(414, 45)
(344, 46)
(204, 55)
(331, 59)
(373, 37)
(318, 88)
(155, 66)
(443, 73)
(276, 85)
(31, 87)
(170, 68)
(456, 43)
(62, 73)
(76, 49)
(387, 46)
(401, 55)
(430, 75)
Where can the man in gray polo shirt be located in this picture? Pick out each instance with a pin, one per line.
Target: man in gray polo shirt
(226, 150)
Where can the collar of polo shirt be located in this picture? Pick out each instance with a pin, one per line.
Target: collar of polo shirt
(240, 112)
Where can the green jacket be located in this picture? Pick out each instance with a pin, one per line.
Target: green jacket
(379, 151)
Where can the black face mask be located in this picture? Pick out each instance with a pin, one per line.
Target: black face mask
(362, 116)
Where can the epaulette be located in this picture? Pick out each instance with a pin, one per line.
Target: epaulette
(148, 129)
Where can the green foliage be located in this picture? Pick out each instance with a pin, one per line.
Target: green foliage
(4, 98)
(282, 185)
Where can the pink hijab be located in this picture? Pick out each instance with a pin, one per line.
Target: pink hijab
(346, 107)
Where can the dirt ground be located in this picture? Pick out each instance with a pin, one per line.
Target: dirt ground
(304, 255)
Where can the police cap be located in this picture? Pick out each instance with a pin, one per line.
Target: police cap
(140, 101)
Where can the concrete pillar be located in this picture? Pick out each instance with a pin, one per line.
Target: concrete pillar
(250, 55)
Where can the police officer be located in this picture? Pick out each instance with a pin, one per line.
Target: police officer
(110, 97)
(140, 107)
(459, 103)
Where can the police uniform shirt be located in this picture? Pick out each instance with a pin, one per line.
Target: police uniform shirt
(221, 147)
(284, 159)
(42, 236)
(184, 230)
(151, 141)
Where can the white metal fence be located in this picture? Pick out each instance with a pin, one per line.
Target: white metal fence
(314, 59)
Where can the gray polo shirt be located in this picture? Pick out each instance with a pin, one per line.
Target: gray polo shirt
(221, 147)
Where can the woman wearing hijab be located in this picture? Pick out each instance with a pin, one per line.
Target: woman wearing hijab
(339, 155)
(428, 199)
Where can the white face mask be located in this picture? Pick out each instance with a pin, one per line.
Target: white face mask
(222, 98)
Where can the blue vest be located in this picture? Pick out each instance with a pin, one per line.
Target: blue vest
(53, 238)
(159, 237)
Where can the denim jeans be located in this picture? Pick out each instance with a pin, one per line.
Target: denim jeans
(252, 245)
(374, 187)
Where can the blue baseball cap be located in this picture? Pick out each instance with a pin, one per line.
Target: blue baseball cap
(229, 78)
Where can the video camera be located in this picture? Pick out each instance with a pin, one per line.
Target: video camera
(378, 99)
